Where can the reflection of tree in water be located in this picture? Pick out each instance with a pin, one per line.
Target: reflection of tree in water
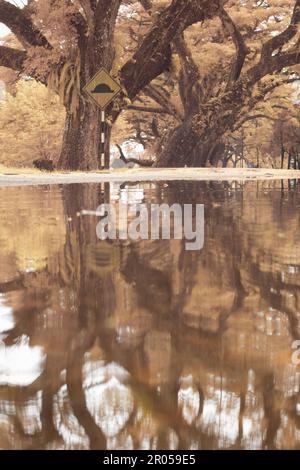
(146, 345)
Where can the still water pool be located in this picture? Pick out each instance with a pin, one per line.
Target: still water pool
(142, 344)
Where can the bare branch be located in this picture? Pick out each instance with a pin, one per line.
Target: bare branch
(280, 61)
(147, 4)
(141, 162)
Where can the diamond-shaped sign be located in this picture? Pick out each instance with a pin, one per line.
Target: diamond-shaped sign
(102, 88)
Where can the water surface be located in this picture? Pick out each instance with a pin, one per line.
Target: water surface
(142, 344)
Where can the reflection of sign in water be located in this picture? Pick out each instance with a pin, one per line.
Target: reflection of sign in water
(102, 89)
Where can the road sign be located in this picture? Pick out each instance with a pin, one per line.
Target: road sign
(102, 89)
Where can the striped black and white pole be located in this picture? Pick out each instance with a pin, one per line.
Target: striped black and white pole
(102, 140)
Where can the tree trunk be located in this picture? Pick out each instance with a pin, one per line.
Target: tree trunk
(80, 148)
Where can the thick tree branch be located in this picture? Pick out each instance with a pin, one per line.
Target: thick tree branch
(283, 38)
(154, 54)
(20, 23)
(221, 113)
(78, 19)
(148, 109)
(241, 49)
(12, 58)
(88, 11)
(141, 162)
(102, 42)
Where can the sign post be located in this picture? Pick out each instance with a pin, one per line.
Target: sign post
(102, 89)
(102, 140)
